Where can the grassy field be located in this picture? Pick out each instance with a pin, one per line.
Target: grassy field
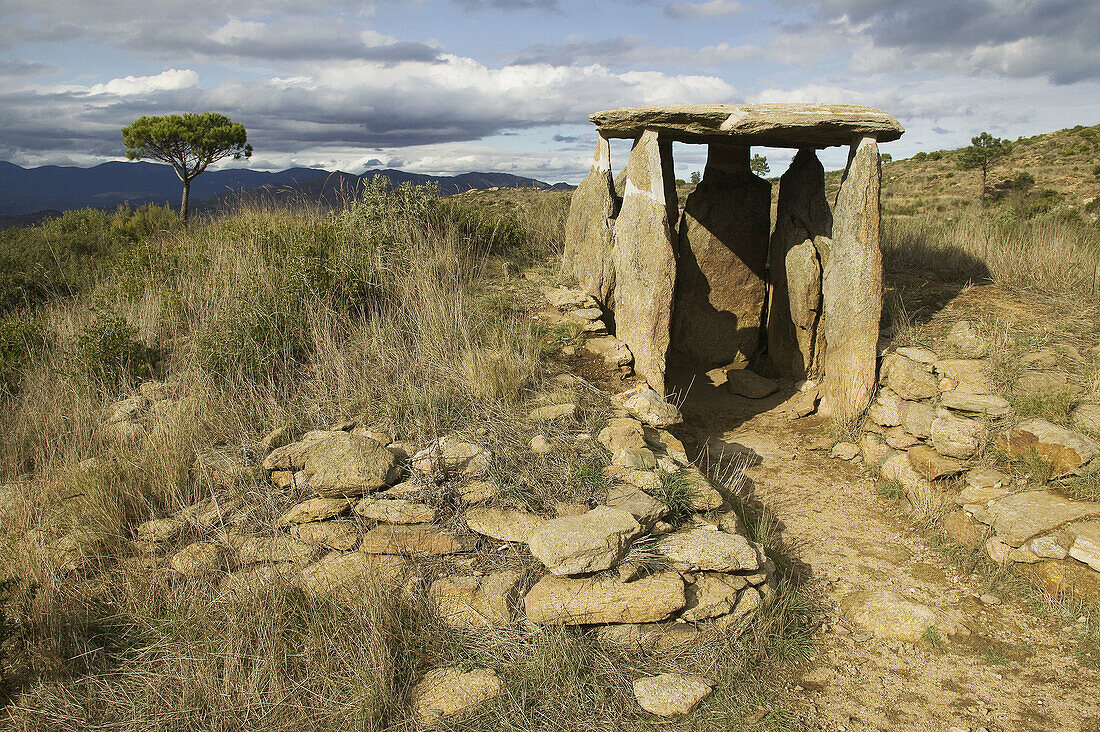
(399, 310)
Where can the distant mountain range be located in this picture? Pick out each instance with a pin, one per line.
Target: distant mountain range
(26, 191)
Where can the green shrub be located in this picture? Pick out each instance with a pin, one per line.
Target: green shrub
(109, 353)
(21, 339)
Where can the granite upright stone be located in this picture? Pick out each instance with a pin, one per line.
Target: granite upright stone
(587, 255)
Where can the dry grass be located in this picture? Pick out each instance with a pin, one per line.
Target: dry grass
(267, 318)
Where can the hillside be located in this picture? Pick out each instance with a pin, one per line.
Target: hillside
(1063, 164)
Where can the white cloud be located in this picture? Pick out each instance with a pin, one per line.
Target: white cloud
(709, 9)
(170, 80)
(238, 30)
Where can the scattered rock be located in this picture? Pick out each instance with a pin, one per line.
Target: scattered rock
(964, 530)
(587, 543)
(911, 380)
(160, 530)
(566, 298)
(622, 433)
(635, 458)
(980, 404)
(450, 456)
(899, 439)
(478, 491)
(411, 539)
(127, 409)
(918, 354)
(475, 601)
(710, 594)
(931, 464)
(709, 550)
(541, 446)
(446, 692)
(844, 451)
(503, 524)
(643, 507)
(604, 599)
(394, 511)
(1086, 543)
(957, 437)
(1087, 417)
(339, 535)
(315, 509)
(917, 418)
(1044, 384)
(353, 576)
(970, 375)
(886, 614)
(277, 549)
(611, 350)
(552, 412)
(749, 384)
(337, 463)
(1019, 516)
(885, 410)
(671, 695)
(200, 558)
(965, 341)
(1066, 451)
(648, 406)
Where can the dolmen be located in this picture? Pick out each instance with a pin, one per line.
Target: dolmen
(719, 283)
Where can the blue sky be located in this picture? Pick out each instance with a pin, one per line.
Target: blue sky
(449, 86)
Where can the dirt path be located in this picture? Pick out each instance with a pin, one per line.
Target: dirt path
(1005, 669)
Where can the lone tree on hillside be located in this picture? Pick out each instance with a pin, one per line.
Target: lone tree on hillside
(187, 142)
(759, 165)
(984, 151)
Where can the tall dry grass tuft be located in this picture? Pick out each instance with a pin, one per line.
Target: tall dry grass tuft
(1041, 254)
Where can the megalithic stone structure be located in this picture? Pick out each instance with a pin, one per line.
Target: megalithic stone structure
(794, 308)
(594, 206)
(697, 284)
(644, 257)
(721, 261)
(851, 287)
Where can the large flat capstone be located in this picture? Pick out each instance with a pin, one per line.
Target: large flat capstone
(772, 125)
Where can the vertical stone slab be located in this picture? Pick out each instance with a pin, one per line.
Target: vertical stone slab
(794, 307)
(720, 268)
(644, 258)
(852, 287)
(592, 210)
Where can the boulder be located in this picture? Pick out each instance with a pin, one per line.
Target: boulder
(899, 439)
(568, 298)
(794, 312)
(541, 446)
(709, 550)
(662, 636)
(588, 227)
(587, 543)
(644, 256)
(981, 404)
(749, 384)
(851, 286)
(337, 463)
(448, 692)
(1066, 451)
(411, 539)
(394, 511)
(844, 451)
(1086, 543)
(956, 437)
(702, 493)
(1066, 578)
(911, 380)
(503, 524)
(315, 509)
(199, 558)
(886, 408)
(449, 456)
(635, 458)
(475, 601)
(671, 695)
(886, 614)
(874, 450)
(649, 407)
(611, 350)
(160, 530)
(721, 261)
(1019, 516)
(277, 549)
(604, 599)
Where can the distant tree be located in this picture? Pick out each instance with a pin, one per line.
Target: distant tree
(1096, 171)
(188, 142)
(759, 165)
(886, 158)
(984, 151)
(696, 176)
(680, 181)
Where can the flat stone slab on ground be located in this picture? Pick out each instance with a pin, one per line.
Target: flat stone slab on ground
(886, 614)
(411, 539)
(475, 601)
(708, 550)
(587, 543)
(671, 695)
(749, 384)
(603, 599)
(1066, 451)
(1019, 516)
(394, 511)
(1086, 543)
(503, 524)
